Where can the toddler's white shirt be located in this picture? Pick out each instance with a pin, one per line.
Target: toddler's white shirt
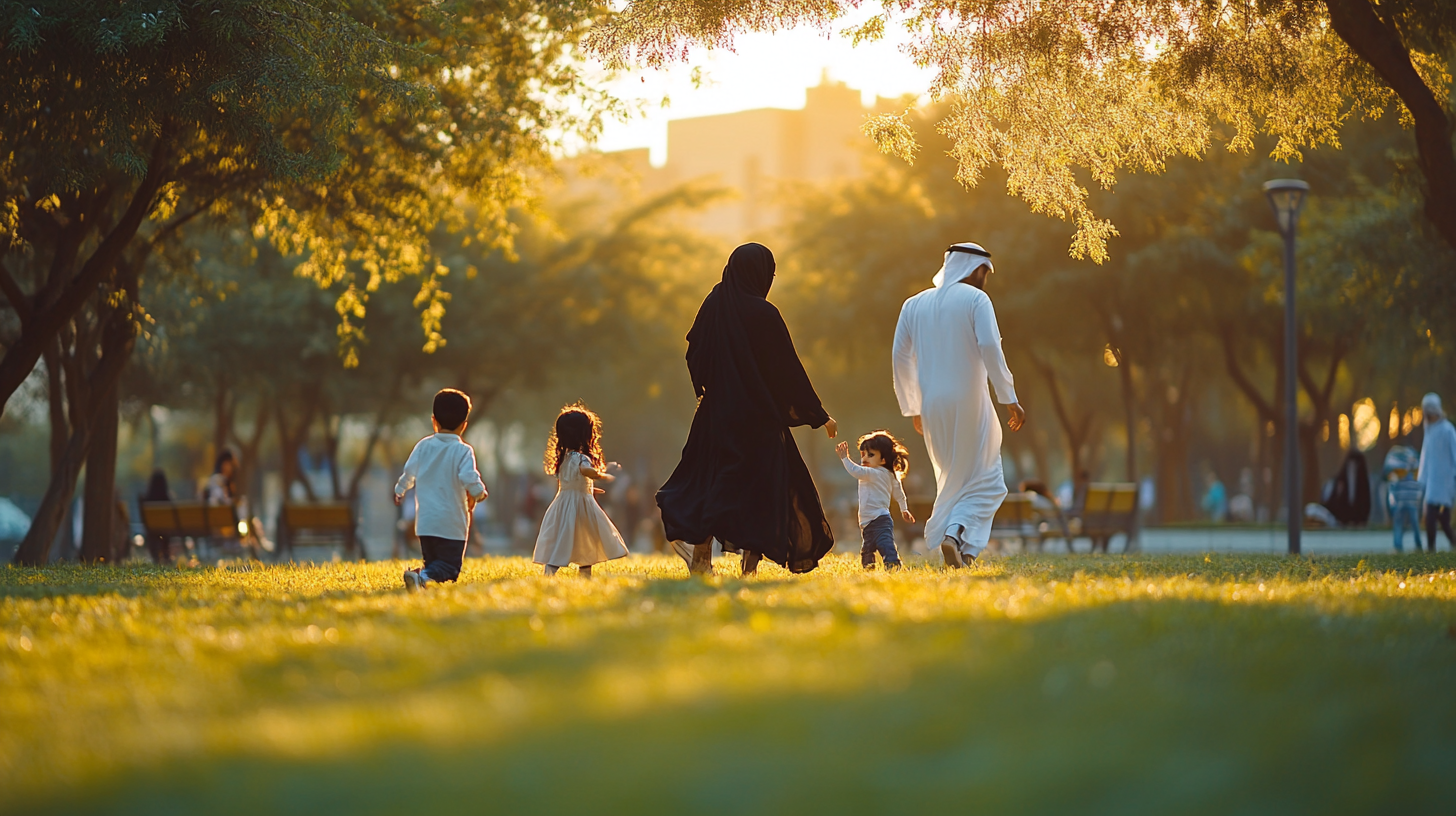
(442, 471)
(875, 486)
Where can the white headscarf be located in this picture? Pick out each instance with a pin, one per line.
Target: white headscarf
(1431, 404)
(958, 266)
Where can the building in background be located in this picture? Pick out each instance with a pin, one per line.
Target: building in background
(757, 154)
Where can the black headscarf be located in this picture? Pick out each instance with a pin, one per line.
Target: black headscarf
(741, 479)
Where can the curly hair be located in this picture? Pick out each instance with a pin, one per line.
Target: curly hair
(891, 450)
(577, 428)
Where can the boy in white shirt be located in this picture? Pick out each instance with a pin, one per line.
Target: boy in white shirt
(883, 462)
(447, 486)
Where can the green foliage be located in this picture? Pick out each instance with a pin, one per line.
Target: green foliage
(1034, 684)
(1067, 95)
(345, 132)
(1195, 291)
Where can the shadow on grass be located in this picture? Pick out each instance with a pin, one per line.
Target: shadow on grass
(1150, 706)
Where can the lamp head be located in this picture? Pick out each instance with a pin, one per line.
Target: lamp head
(1286, 196)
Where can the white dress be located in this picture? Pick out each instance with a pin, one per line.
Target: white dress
(576, 530)
(947, 346)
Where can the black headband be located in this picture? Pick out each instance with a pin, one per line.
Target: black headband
(970, 250)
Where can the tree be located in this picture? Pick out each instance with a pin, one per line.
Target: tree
(342, 132)
(1060, 93)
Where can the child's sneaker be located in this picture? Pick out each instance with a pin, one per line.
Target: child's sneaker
(414, 581)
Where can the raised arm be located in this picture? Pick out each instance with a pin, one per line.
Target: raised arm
(988, 339)
(857, 471)
(907, 378)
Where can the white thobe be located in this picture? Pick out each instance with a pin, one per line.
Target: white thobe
(1438, 463)
(947, 346)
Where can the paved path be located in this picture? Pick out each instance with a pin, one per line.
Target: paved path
(1264, 540)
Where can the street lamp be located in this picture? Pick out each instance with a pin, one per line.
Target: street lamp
(1287, 196)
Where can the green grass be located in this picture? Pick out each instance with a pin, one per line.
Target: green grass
(1152, 684)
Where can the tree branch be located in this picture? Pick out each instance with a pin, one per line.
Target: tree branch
(1241, 380)
(48, 317)
(1378, 43)
(18, 301)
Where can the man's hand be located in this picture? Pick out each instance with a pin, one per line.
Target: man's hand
(842, 449)
(905, 514)
(597, 491)
(832, 428)
(915, 420)
(398, 499)
(1017, 418)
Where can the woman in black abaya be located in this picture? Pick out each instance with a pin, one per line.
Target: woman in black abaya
(741, 479)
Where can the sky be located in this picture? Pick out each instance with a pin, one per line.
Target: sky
(764, 71)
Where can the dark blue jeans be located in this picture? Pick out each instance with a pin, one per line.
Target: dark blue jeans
(879, 535)
(1403, 516)
(443, 557)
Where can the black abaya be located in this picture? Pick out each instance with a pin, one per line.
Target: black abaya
(741, 479)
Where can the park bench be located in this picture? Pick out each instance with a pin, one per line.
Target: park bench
(1017, 518)
(318, 524)
(1110, 508)
(193, 519)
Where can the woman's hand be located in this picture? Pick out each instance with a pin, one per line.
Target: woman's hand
(832, 428)
(915, 420)
(905, 514)
(842, 449)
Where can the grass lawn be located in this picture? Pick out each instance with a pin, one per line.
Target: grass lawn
(1138, 684)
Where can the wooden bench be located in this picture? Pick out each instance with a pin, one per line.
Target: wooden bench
(319, 524)
(190, 519)
(1017, 518)
(1111, 508)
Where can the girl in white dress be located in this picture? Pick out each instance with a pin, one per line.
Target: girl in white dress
(575, 529)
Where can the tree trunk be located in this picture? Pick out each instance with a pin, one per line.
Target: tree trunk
(223, 408)
(60, 430)
(1378, 43)
(98, 526)
(289, 442)
(119, 336)
(1129, 407)
(249, 451)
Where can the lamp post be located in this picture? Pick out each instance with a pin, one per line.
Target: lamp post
(1287, 196)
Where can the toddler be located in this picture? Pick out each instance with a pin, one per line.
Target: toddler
(1404, 495)
(883, 462)
(442, 471)
(575, 529)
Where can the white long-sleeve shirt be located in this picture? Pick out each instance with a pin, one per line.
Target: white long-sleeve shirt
(442, 471)
(1438, 463)
(876, 486)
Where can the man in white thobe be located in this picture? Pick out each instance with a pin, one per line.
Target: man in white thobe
(947, 345)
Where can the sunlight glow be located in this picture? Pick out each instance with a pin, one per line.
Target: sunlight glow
(1366, 424)
(763, 71)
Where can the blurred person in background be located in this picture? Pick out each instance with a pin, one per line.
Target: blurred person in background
(1438, 470)
(219, 489)
(1215, 499)
(159, 547)
(1404, 494)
